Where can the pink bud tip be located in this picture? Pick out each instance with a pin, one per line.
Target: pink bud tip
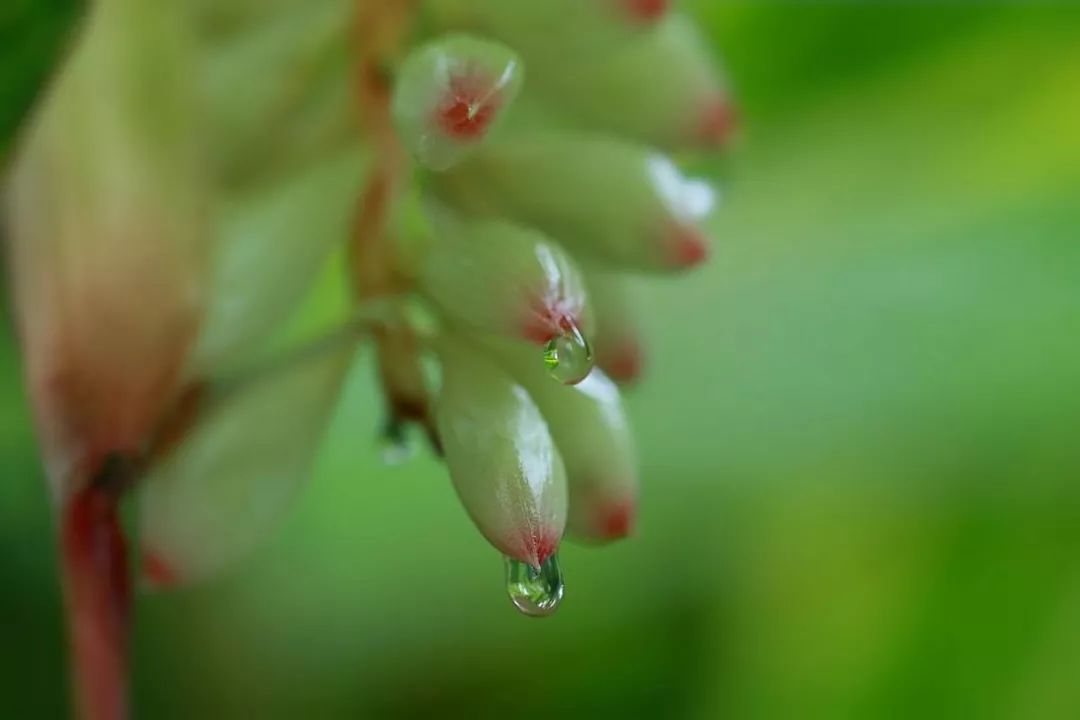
(646, 10)
(156, 572)
(535, 546)
(688, 247)
(717, 122)
(468, 108)
(547, 320)
(616, 521)
(623, 363)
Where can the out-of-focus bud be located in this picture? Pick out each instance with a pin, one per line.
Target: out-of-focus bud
(272, 243)
(615, 202)
(278, 85)
(107, 231)
(501, 457)
(594, 439)
(618, 342)
(231, 479)
(662, 90)
(449, 95)
(553, 31)
(499, 278)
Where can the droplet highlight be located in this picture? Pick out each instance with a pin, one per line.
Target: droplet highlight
(569, 357)
(536, 592)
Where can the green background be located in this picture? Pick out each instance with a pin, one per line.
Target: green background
(858, 440)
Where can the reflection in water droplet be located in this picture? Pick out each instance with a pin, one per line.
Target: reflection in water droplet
(536, 592)
(568, 357)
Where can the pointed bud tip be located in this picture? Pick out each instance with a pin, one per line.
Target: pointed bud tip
(625, 362)
(646, 11)
(156, 573)
(616, 520)
(469, 107)
(687, 247)
(533, 546)
(548, 320)
(717, 122)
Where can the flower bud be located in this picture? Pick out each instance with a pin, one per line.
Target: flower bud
(593, 437)
(107, 238)
(501, 457)
(553, 31)
(662, 90)
(449, 95)
(231, 479)
(618, 342)
(498, 278)
(278, 85)
(272, 244)
(614, 202)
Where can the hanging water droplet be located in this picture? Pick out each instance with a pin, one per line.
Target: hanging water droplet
(536, 592)
(395, 445)
(569, 357)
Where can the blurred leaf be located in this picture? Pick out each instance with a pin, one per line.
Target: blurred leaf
(32, 35)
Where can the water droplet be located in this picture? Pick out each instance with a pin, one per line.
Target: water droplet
(395, 445)
(536, 592)
(568, 357)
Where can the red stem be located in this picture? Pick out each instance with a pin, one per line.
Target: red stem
(98, 597)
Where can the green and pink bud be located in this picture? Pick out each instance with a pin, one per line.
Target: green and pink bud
(450, 95)
(616, 203)
(500, 453)
(231, 478)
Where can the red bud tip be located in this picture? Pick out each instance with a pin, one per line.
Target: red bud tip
(535, 546)
(469, 107)
(717, 122)
(616, 521)
(646, 10)
(156, 572)
(688, 247)
(547, 320)
(623, 363)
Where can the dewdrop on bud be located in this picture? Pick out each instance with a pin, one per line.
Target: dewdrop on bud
(568, 356)
(499, 278)
(450, 94)
(502, 460)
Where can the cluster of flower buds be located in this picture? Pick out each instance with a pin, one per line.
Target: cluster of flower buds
(492, 168)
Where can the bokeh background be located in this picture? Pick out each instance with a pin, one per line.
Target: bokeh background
(858, 440)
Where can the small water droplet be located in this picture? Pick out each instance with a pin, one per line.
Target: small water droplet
(568, 357)
(536, 592)
(395, 445)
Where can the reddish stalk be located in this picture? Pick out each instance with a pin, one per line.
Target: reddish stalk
(97, 593)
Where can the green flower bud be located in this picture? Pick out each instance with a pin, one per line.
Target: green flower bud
(449, 95)
(107, 238)
(501, 457)
(590, 430)
(232, 478)
(553, 31)
(272, 244)
(662, 90)
(277, 85)
(618, 342)
(614, 202)
(499, 278)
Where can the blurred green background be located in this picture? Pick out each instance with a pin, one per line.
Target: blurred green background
(858, 441)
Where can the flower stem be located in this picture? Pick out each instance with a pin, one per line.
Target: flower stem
(97, 593)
